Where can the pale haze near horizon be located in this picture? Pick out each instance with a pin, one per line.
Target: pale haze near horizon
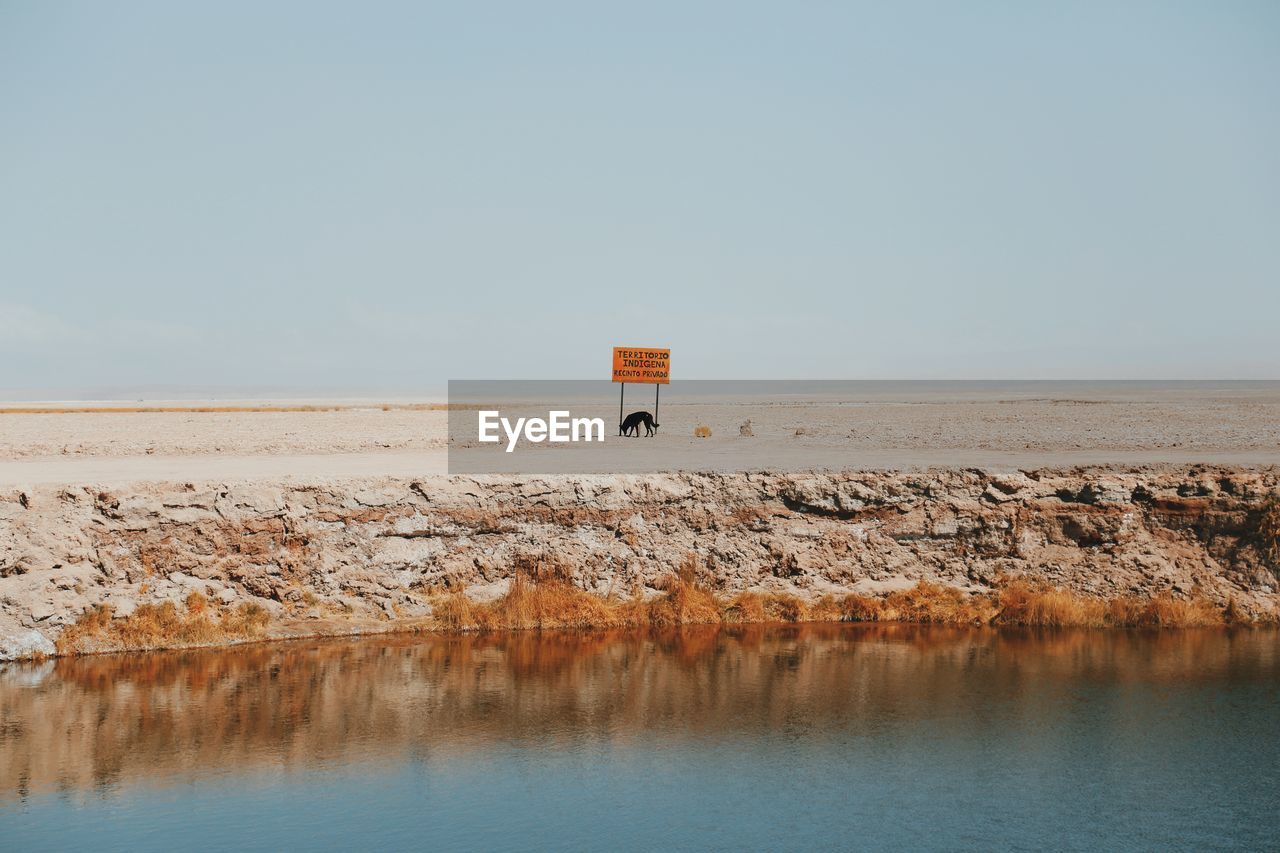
(387, 196)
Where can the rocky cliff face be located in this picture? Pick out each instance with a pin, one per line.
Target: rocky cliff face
(324, 552)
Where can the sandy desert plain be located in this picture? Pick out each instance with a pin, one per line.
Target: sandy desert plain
(1013, 425)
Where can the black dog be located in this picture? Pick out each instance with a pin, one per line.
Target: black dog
(631, 426)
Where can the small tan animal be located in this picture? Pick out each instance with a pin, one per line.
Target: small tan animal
(745, 429)
(702, 432)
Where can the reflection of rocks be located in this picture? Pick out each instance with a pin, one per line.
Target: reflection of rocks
(371, 549)
(86, 723)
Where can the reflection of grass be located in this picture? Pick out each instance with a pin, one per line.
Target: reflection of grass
(160, 626)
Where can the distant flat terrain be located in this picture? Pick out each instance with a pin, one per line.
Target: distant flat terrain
(896, 425)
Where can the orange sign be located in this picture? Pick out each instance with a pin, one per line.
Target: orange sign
(642, 364)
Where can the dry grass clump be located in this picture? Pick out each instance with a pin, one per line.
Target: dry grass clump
(828, 608)
(92, 623)
(1165, 611)
(1025, 603)
(162, 626)
(746, 607)
(1041, 605)
(686, 601)
(549, 604)
(455, 611)
(924, 602)
(248, 621)
(702, 432)
(936, 604)
(780, 607)
(1022, 602)
(861, 608)
(540, 597)
(786, 608)
(554, 603)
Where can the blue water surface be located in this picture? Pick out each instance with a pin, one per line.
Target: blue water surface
(850, 737)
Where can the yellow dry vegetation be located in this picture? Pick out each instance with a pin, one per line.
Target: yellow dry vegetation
(543, 595)
(163, 626)
(1041, 605)
(553, 602)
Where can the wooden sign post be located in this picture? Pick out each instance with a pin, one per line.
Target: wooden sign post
(643, 365)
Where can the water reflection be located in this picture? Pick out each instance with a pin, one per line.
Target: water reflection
(104, 723)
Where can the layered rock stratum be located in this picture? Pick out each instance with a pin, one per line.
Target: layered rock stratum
(334, 556)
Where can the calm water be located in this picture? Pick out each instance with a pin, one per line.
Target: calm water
(784, 738)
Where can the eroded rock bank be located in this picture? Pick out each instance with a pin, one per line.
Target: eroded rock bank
(335, 555)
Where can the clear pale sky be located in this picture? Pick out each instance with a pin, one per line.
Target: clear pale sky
(389, 195)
